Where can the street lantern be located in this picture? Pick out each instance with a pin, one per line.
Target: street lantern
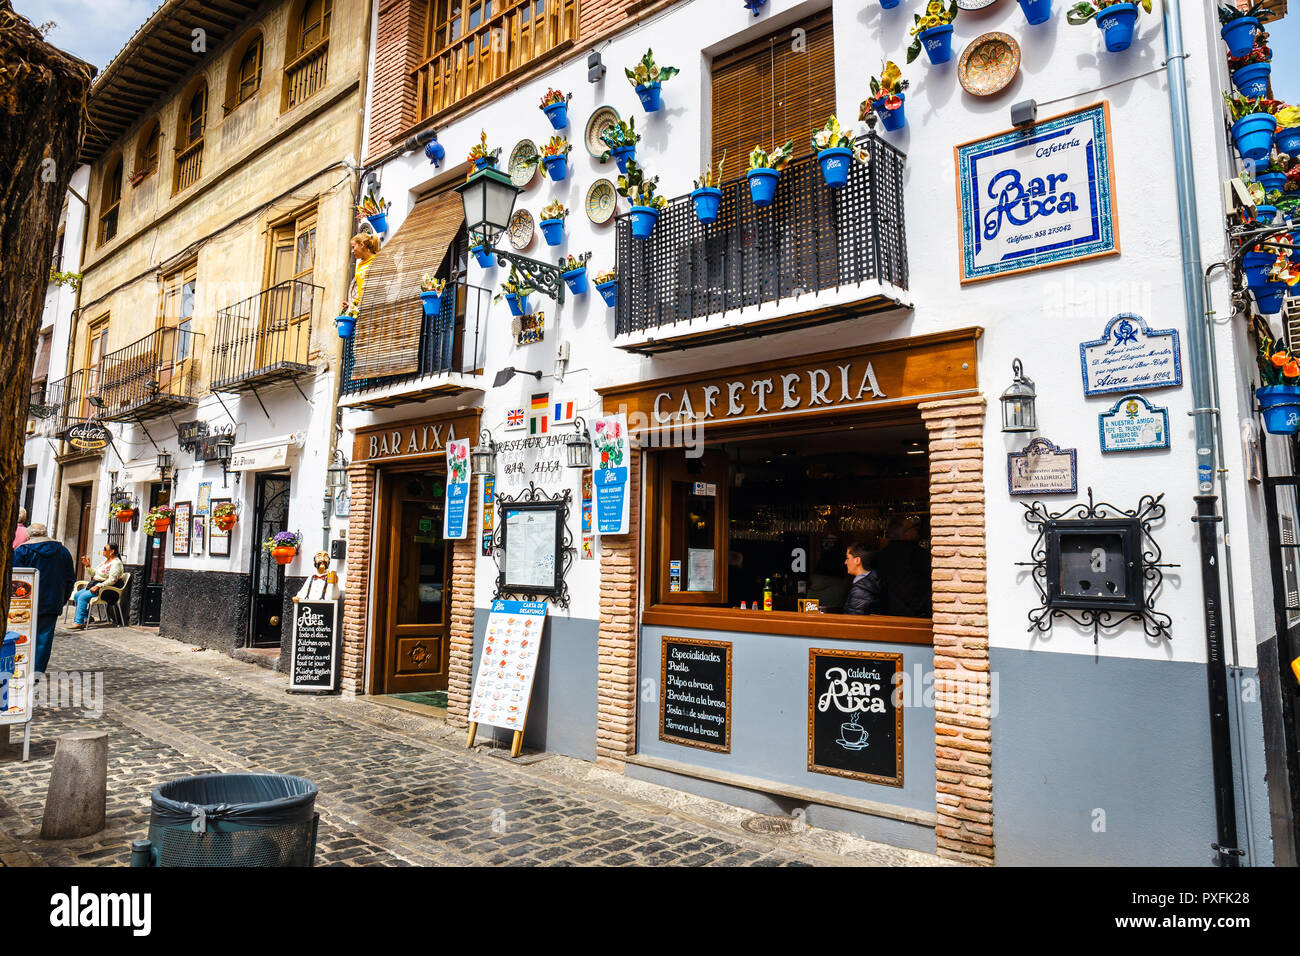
(224, 446)
(1018, 414)
(336, 477)
(483, 456)
(489, 197)
(164, 464)
(579, 446)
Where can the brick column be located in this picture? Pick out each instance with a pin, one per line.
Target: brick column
(616, 642)
(398, 52)
(357, 581)
(464, 560)
(963, 752)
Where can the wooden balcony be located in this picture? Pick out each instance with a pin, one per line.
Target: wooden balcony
(306, 75)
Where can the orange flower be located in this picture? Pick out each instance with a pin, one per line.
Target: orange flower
(1278, 359)
(1291, 369)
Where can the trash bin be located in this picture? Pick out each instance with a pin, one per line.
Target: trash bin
(231, 819)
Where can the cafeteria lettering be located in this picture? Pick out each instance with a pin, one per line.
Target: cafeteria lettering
(766, 392)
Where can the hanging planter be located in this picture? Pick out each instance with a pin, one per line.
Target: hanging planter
(647, 78)
(1116, 21)
(345, 324)
(552, 222)
(158, 520)
(1239, 33)
(623, 155)
(481, 255)
(933, 31)
(283, 555)
(1252, 135)
(483, 156)
(1252, 80)
(573, 270)
(1279, 398)
(1265, 214)
(431, 290)
(375, 212)
(1288, 140)
(1268, 292)
(1272, 182)
(886, 98)
(283, 546)
(642, 192)
(556, 107)
(835, 153)
(651, 96)
(607, 285)
(554, 157)
(707, 197)
(224, 516)
(643, 221)
(764, 172)
(515, 291)
(620, 139)
(125, 515)
(889, 4)
(1036, 11)
(937, 42)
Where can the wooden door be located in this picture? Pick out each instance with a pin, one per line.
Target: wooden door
(85, 526)
(413, 608)
(270, 516)
(286, 312)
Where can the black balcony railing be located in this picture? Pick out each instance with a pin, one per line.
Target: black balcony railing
(149, 378)
(449, 345)
(810, 239)
(264, 339)
(58, 404)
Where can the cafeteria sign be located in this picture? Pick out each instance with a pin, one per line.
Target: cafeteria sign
(88, 436)
(1037, 197)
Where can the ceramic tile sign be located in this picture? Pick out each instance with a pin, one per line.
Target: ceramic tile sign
(695, 698)
(1037, 196)
(1129, 357)
(456, 515)
(855, 726)
(16, 689)
(1041, 468)
(503, 683)
(1134, 424)
(609, 441)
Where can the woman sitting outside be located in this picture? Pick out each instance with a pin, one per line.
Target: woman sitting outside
(110, 572)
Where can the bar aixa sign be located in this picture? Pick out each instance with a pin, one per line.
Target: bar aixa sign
(903, 371)
(412, 439)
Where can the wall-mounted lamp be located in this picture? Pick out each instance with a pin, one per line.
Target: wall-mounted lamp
(336, 477)
(595, 68)
(579, 445)
(224, 446)
(483, 456)
(506, 374)
(164, 464)
(1018, 414)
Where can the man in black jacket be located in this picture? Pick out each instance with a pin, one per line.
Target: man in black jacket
(904, 568)
(58, 575)
(866, 595)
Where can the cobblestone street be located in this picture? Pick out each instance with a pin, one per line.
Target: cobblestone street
(397, 788)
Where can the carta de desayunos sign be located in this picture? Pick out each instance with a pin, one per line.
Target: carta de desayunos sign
(609, 442)
(456, 517)
(1039, 196)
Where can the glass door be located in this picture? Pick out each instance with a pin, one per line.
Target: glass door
(155, 562)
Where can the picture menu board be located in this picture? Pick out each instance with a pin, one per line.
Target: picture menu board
(181, 528)
(313, 661)
(855, 727)
(695, 693)
(503, 683)
(17, 695)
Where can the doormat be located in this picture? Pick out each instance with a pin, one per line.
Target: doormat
(433, 698)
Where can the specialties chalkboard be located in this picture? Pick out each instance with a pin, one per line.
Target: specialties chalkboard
(695, 697)
(855, 728)
(313, 662)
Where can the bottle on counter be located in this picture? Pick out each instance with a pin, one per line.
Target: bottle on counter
(744, 606)
(767, 594)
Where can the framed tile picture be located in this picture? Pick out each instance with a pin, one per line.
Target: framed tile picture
(181, 528)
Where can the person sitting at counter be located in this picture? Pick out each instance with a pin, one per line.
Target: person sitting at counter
(866, 593)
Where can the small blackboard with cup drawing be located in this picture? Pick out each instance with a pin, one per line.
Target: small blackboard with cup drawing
(695, 693)
(855, 727)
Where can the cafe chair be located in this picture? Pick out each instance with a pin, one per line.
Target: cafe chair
(72, 604)
(109, 597)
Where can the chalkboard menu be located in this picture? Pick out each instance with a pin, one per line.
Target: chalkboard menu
(695, 698)
(313, 663)
(855, 728)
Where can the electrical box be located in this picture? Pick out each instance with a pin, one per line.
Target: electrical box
(338, 550)
(1094, 564)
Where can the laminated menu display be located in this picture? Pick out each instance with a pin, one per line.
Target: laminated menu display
(503, 683)
(21, 623)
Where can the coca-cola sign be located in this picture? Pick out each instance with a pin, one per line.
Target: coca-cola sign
(88, 436)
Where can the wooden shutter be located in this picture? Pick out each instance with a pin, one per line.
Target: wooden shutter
(41, 368)
(768, 92)
(391, 315)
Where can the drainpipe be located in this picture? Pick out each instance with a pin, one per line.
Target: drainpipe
(1207, 517)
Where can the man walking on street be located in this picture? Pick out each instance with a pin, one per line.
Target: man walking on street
(58, 575)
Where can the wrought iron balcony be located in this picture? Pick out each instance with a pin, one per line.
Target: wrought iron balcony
(58, 404)
(265, 338)
(449, 349)
(149, 378)
(810, 240)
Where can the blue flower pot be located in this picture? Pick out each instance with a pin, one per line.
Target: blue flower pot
(889, 4)
(643, 221)
(558, 114)
(345, 324)
(1280, 405)
(622, 154)
(892, 120)
(1268, 294)
(1036, 11)
(762, 185)
(1253, 135)
(576, 280)
(1116, 25)
(609, 292)
(937, 42)
(557, 167)
(1288, 140)
(517, 305)
(553, 231)
(1252, 80)
(707, 199)
(482, 257)
(484, 163)
(754, 6)
(1272, 182)
(1264, 215)
(379, 222)
(651, 96)
(1239, 35)
(835, 164)
(432, 303)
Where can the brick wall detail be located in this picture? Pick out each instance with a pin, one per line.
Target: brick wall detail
(617, 635)
(357, 580)
(399, 51)
(461, 667)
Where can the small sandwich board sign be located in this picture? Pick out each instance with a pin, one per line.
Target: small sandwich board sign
(503, 684)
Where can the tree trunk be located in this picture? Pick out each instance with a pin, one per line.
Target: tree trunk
(42, 108)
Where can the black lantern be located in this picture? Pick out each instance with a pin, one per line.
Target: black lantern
(489, 197)
(336, 477)
(579, 446)
(164, 464)
(1018, 413)
(483, 457)
(224, 446)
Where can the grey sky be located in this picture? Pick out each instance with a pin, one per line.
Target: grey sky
(94, 30)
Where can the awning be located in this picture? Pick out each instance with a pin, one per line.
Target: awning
(139, 472)
(263, 454)
(387, 338)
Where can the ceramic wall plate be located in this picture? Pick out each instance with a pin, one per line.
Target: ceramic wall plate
(601, 120)
(988, 64)
(520, 230)
(974, 4)
(523, 165)
(601, 201)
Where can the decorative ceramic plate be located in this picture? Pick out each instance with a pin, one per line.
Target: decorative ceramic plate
(974, 4)
(601, 201)
(520, 230)
(604, 118)
(523, 165)
(988, 64)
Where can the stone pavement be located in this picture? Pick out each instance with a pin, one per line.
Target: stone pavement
(396, 788)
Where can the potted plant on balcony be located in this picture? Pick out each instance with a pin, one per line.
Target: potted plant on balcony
(375, 211)
(621, 138)
(1279, 398)
(158, 520)
(224, 516)
(515, 291)
(121, 510)
(346, 323)
(573, 270)
(1254, 121)
(1250, 73)
(1115, 20)
(1238, 27)
(1263, 201)
(552, 217)
(886, 98)
(1036, 11)
(933, 30)
(1287, 138)
(836, 151)
(431, 290)
(707, 197)
(283, 546)
(554, 157)
(556, 107)
(1273, 175)
(641, 192)
(764, 171)
(607, 285)
(481, 155)
(478, 248)
(648, 77)
(1269, 271)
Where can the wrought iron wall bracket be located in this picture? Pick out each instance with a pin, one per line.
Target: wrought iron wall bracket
(540, 276)
(560, 596)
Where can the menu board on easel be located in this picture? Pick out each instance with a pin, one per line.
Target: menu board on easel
(503, 683)
(24, 592)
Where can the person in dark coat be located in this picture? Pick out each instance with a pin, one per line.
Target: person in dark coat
(866, 595)
(904, 568)
(57, 576)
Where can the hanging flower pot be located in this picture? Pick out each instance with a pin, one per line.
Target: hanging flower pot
(225, 522)
(622, 154)
(890, 111)
(1272, 182)
(647, 78)
(835, 165)
(608, 291)
(283, 555)
(889, 4)
(161, 524)
(432, 302)
(1116, 24)
(762, 185)
(937, 42)
(651, 96)
(379, 222)
(1036, 11)
(1288, 140)
(1280, 406)
(518, 305)
(482, 256)
(553, 231)
(1268, 293)
(558, 114)
(557, 167)
(1239, 34)
(124, 515)
(345, 324)
(643, 221)
(1252, 135)
(1264, 215)
(576, 280)
(1252, 80)
(707, 200)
